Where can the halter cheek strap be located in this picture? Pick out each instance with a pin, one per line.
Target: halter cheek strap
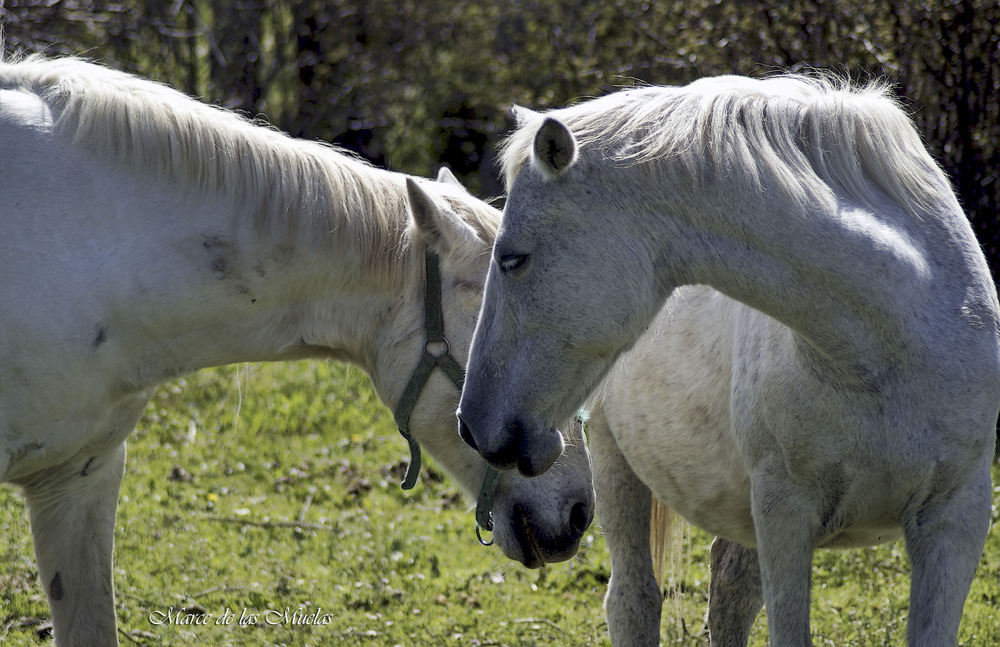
(434, 329)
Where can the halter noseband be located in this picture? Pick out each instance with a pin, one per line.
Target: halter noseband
(434, 328)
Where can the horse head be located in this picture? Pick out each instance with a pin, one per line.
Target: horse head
(535, 356)
(534, 521)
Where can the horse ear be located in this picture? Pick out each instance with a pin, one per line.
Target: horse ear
(522, 116)
(445, 176)
(442, 230)
(555, 148)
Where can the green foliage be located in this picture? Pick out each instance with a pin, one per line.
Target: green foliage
(273, 491)
(411, 85)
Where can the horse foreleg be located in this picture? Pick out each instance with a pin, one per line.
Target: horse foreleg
(945, 539)
(72, 510)
(634, 602)
(785, 524)
(735, 594)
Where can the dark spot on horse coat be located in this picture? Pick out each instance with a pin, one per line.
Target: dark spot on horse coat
(86, 466)
(222, 255)
(219, 268)
(102, 336)
(55, 588)
(213, 242)
(25, 450)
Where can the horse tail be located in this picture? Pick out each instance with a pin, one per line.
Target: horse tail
(660, 522)
(670, 543)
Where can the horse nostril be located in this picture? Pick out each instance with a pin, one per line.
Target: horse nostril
(537, 446)
(466, 434)
(579, 518)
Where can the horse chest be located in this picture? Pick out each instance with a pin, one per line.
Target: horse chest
(669, 414)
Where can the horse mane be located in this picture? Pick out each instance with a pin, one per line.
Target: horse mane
(287, 184)
(814, 137)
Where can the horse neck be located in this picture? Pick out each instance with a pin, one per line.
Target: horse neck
(842, 277)
(231, 289)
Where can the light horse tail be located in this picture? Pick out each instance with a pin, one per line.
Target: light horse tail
(669, 544)
(660, 538)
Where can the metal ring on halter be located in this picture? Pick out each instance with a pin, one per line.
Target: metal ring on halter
(484, 506)
(443, 340)
(480, 538)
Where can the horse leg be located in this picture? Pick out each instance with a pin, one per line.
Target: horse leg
(945, 539)
(735, 593)
(634, 602)
(72, 511)
(785, 523)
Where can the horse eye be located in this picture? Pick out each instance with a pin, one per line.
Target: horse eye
(510, 262)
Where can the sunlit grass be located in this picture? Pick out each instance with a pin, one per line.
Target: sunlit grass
(270, 493)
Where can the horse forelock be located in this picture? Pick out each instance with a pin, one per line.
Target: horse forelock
(815, 137)
(292, 188)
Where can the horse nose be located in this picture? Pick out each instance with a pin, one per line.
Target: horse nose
(538, 446)
(532, 448)
(504, 457)
(581, 515)
(466, 433)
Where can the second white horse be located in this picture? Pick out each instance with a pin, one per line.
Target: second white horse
(843, 392)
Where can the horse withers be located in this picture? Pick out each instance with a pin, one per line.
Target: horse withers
(826, 367)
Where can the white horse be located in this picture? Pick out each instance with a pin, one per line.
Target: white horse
(148, 235)
(831, 378)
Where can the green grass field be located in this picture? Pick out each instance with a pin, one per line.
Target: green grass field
(261, 506)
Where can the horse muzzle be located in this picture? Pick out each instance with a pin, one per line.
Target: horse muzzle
(526, 442)
(524, 539)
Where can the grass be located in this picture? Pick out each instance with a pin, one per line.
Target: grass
(261, 506)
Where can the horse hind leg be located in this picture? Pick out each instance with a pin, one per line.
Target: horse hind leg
(72, 511)
(735, 593)
(945, 539)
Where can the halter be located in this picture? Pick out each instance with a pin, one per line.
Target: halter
(434, 329)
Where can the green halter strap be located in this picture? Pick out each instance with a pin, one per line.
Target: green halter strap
(434, 329)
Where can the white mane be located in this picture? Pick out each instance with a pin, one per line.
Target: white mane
(807, 135)
(285, 183)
